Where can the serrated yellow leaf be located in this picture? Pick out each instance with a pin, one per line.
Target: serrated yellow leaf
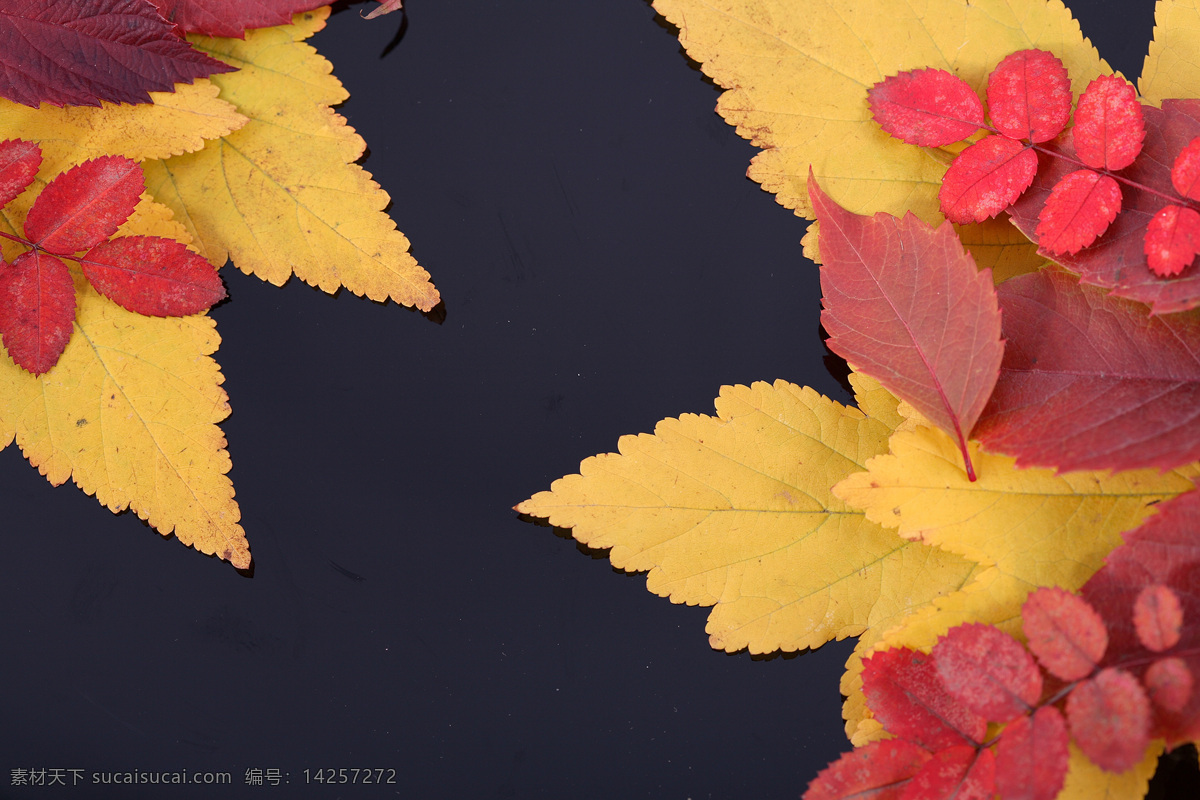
(735, 511)
(283, 195)
(1172, 65)
(1086, 781)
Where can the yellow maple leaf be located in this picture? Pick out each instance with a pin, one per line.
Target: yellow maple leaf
(1172, 65)
(283, 195)
(735, 511)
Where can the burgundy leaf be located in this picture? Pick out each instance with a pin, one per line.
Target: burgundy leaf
(1080, 207)
(877, 771)
(1110, 719)
(1065, 633)
(955, 773)
(1029, 96)
(930, 107)
(232, 17)
(37, 309)
(153, 276)
(1108, 124)
(905, 694)
(905, 304)
(85, 205)
(986, 178)
(1032, 756)
(19, 162)
(1172, 240)
(988, 671)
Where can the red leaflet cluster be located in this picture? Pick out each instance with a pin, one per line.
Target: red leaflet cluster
(79, 211)
(1029, 101)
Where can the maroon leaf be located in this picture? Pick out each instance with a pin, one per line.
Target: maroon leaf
(1169, 683)
(19, 162)
(1172, 240)
(877, 771)
(1110, 719)
(905, 304)
(988, 671)
(1108, 124)
(986, 178)
(1089, 381)
(1080, 207)
(930, 107)
(1065, 633)
(85, 205)
(79, 52)
(1185, 172)
(1032, 756)
(153, 276)
(956, 773)
(37, 309)
(1158, 617)
(1029, 96)
(905, 694)
(232, 17)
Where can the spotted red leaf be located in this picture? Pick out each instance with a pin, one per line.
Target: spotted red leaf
(1081, 207)
(1185, 172)
(19, 162)
(1032, 756)
(1066, 634)
(955, 773)
(1110, 719)
(930, 107)
(1089, 381)
(1108, 124)
(986, 178)
(232, 17)
(79, 52)
(1169, 683)
(905, 304)
(905, 694)
(153, 276)
(988, 671)
(1158, 617)
(85, 205)
(1172, 240)
(877, 771)
(1029, 96)
(37, 309)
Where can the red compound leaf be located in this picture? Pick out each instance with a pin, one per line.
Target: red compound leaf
(1065, 633)
(1110, 719)
(153, 276)
(907, 697)
(988, 671)
(1172, 240)
(1029, 96)
(986, 178)
(1032, 756)
(232, 17)
(877, 771)
(930, 107)
(1108, 124)
(1185, 172)
(956, 773)
(1158, 617)
(85, 205)
(37, 309)
(19, 162)
(1169, 683)
(1080, 207)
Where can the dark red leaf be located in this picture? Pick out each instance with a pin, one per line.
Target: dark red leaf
(1108, 124)
(1032, 756)
(986, 178)
(1158, 617)
(153, 276)
(79, 52)
(1089, 381)
(1169, 683)
(37, 309)
(877, 771)
(1172, 240)
(956, 773)
(1185, 172)
(1065, 633)
(232, 17)
(905, 694)
(988, 671)
(1029, 96)
(905, 304)
(930, 107)
(19, 162)
(85, 205)
(1080, 207)
(1110, 719)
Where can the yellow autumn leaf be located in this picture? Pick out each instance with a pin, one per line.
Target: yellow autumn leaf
(1172, 65)
(283, 195)
(735, 511)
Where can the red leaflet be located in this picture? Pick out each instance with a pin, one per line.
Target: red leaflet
(1169, 683)
(986, 178)
(1029, 96)
(79, 52)
(904, 303)
(1157, 617)
(153, 276)
(1065, 633)
(1032, 756)
(956, 773)
(85, 205)
(988, 671)
(1110, 719)
(907, 697)
(928, 107)
(232, 17)
(1172, 240)
(877, 771)
(1185, 172)
(19, 162)
(1080, 207)
(385, 7)
(1090, 382)
(37, 309)
(1108, 124)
